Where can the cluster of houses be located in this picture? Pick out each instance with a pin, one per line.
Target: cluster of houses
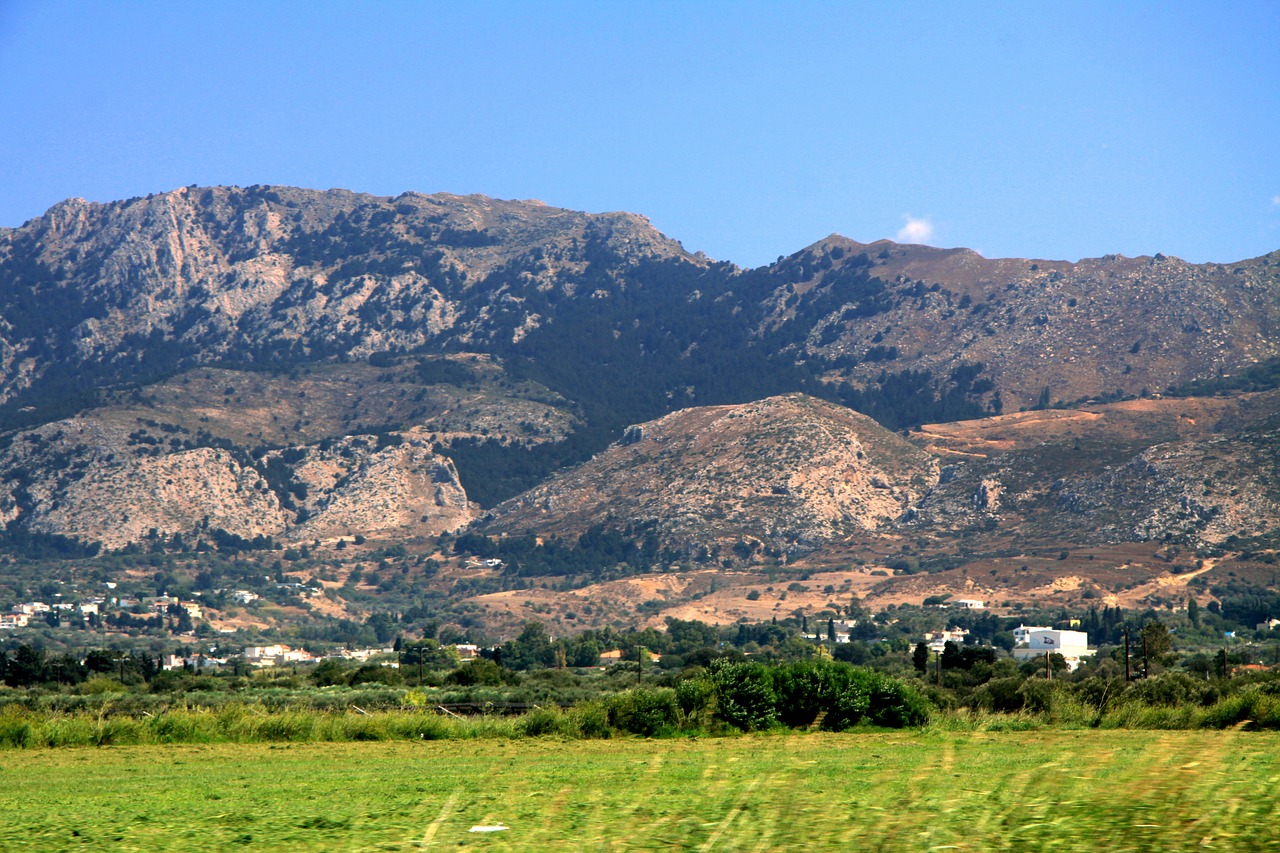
(22, 615)
(1029, 642)
(282, 655)
(937, 640)
(89, 608)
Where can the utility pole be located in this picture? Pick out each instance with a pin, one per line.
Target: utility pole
(1048, 668)
(1127, 677)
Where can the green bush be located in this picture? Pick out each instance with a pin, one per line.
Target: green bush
(1250, 705)
(696, 698)
(101, 684)
(591, 720)
(1000, 695)
(15, 729)
(805, 689)
(752, 696)
(645, 712)
(545, 721)
(1037, 695)
(1172, 689)
(745, 696)
(478, 671)
(372, 673)
(893, 704)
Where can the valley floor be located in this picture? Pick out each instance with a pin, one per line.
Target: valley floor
(923, 790)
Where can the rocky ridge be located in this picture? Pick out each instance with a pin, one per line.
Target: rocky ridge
(1192, 471)
(1043, 330)
(88, 479)
(783, 474)
(103, 293)
(198, 275)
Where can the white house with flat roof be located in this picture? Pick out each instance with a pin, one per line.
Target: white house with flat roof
(1072, 645)
(1022, 633)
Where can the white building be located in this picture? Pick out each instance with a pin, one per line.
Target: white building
(1072, 645)
(196, 662)
(1022, 634)
(264, 655)
(938, 640)
(969, 604)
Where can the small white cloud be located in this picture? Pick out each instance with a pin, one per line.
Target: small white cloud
(916, 230)
(1275, 201)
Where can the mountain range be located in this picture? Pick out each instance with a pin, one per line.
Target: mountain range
(275, 365)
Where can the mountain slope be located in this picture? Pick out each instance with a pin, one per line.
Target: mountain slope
(274, 274)
(510, 339)
(1042, 330)
(780, 475)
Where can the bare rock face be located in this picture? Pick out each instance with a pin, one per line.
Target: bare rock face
(354, 486)
(785, 473)
(986, 498)
(185, 493)
(94, 480)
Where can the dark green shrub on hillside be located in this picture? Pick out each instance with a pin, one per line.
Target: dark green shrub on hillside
(753, 696)
(696, 698)
(330, 672)
(805, 689)
(591, 719)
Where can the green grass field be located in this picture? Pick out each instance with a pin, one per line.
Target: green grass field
(1059, 790)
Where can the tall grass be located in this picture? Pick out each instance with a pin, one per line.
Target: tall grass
(126, 719)
(24, 729)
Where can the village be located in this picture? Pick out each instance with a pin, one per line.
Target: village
(185, 619)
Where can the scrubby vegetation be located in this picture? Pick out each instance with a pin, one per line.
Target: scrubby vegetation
(703, 684)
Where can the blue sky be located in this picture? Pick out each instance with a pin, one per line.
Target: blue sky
(747, 130)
